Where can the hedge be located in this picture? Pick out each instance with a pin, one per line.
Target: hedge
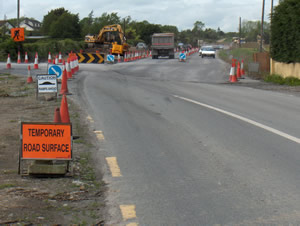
(43, 47)
(285, 28)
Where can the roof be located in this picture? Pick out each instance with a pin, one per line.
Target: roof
(2, 22)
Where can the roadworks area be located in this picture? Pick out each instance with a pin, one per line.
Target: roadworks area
(76, 199)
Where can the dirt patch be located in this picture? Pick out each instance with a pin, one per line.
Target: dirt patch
(76, 199)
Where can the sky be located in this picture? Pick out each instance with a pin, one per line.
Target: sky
(181, 13)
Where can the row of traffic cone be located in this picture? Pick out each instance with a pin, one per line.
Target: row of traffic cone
(36, 64)
(57, 60)
(236, 72)
(136, 55)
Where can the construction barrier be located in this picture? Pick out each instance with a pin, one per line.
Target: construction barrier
(95, 58)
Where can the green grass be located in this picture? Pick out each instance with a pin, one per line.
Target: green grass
(3, 186)
(277, 79)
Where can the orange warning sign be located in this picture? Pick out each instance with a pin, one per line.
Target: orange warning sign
(18, 34)
(46, 141)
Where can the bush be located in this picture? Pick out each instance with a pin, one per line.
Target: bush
(285, 28)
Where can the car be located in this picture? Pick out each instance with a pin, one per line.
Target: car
(200, 50)
(141, 45)
(208, 51)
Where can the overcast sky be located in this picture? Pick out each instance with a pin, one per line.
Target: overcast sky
(181, 13)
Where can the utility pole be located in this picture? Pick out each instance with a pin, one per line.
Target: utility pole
(240, 31)
(262, 26)
(18, 14)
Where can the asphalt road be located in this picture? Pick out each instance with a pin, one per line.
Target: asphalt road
(193, 149)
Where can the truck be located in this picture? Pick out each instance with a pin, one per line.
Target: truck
(162, 45)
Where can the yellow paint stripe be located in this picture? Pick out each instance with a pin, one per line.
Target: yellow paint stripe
(90, 118)
(99, 135)
(132, 224)
(128, 211)
(113, 166)
(91, 58)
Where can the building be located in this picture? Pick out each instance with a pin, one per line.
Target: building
(30, 24)
(5, 27)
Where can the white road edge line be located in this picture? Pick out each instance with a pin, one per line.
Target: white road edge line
(270, 129)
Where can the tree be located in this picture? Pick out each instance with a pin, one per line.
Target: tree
(60, 23)
(285, 27)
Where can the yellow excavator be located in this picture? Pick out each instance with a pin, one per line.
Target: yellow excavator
(110, 37)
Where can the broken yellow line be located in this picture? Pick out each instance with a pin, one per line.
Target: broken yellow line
(128, 212)
(132, 224)
(113, 166)
(99, 135)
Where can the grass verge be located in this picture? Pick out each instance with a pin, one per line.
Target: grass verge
(277, 79)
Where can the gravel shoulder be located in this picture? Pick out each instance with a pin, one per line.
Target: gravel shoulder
(27, 200)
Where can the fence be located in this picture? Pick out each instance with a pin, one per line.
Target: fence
(284, 69)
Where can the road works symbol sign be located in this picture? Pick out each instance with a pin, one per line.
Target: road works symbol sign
(46, 141)
(47, 83)
(18, 34)
(54, 69)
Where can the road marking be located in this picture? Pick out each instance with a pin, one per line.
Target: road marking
(132, 224)
(99, 135)
(113, 166)
(90, 118)
(270, 129)
(128, 212)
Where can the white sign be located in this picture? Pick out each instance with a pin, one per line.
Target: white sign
(47, 83)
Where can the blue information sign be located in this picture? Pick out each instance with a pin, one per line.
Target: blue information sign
(55, 70)
(182, 56)
(110, 58)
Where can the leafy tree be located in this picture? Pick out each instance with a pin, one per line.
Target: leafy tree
(86, 23)
(285, 27)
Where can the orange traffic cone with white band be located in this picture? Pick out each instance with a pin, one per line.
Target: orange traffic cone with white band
(59, 58)
(242, 68)
(26, 58)
(77, 63)
(68, 69)
(19, 58)
(8, 63)
(36, 63)
(232, 77)
(64, 111)
(29, 78)
(56, 59)
(238, 71)
(49, 58)
(64, 84)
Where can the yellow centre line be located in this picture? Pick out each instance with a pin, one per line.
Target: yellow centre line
(99, 135)
(132, 224)
(90, 118)
(113, 166)
(128, 212)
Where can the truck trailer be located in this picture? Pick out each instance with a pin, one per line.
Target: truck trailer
(163, 45)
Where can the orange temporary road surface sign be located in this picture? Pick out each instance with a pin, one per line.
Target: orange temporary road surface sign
(18, 34)
(46, 141)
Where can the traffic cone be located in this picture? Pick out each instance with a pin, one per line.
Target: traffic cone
(238, 71)
(53, 61)
(26, 58)
(68, 69)
(56, 59)
(49, 58)
(125, 57)
(72, 65)
(232, 77)
(77, 63)
(36, 63)
(64, 111)
(242, 68)
(29, 78)
(59, 58)
(57, 118)
(8, 64)
(64, 84)
(119, 58)
(19, 58)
